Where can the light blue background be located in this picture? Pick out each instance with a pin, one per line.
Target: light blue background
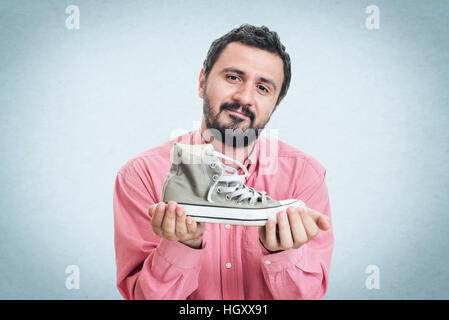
(370, 105)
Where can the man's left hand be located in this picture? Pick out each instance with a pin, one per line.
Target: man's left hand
(295, 228)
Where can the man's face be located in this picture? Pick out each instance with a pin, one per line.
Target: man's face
(241, 92)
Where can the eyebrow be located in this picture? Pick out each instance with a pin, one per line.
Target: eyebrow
(242, 73)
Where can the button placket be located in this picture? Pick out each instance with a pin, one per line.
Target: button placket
(227, 276)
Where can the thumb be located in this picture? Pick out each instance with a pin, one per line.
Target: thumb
(321, 220)
(151, 210)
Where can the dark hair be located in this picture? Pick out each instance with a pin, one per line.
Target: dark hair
(259, 37)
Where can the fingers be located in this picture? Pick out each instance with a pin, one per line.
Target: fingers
(191, 225)
(181, 227)
(321, 220)
(280, 238)
(169, 222)
(297, 227)
(151, 210)
(285, 234)
(158, 216)
(271, 242)
(309, 225)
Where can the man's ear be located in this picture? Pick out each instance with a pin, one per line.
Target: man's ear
(202, 82)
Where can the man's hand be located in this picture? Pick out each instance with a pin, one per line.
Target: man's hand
(169, 221)
(296, 227)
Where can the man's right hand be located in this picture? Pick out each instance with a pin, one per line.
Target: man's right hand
(169, 221)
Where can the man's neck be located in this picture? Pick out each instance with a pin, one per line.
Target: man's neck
(239, 154)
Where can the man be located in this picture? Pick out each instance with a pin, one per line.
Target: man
(162, 253)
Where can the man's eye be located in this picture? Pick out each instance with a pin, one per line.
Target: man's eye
(263, 88)
(232, 77)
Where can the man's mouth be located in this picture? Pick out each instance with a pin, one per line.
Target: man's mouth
(237, 112)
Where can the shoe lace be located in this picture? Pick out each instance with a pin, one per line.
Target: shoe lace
(235, 183)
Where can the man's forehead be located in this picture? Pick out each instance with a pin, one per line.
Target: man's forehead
(251, 60)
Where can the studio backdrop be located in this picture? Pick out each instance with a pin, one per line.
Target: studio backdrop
(86, 85)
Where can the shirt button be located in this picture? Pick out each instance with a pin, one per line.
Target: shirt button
(227, 226)
(228, 265)
(267, 262)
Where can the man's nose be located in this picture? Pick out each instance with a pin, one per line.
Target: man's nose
(245, 95)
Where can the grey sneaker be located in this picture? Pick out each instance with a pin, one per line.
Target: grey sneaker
(212, 192)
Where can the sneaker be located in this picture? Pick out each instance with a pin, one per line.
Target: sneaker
(212, 192)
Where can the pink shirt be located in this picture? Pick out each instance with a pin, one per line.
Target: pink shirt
(232, 264)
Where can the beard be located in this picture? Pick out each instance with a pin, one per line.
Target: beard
(234, 133)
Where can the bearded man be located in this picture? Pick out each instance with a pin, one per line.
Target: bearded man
(163, 253)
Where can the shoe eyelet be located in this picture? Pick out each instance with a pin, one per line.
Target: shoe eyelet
(215, 177)
(228, 197)
(219, 190)
(212, 165)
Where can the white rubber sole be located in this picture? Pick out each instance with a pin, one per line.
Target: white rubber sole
(238, 216)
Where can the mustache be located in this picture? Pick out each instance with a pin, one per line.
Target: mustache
(237, 106)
